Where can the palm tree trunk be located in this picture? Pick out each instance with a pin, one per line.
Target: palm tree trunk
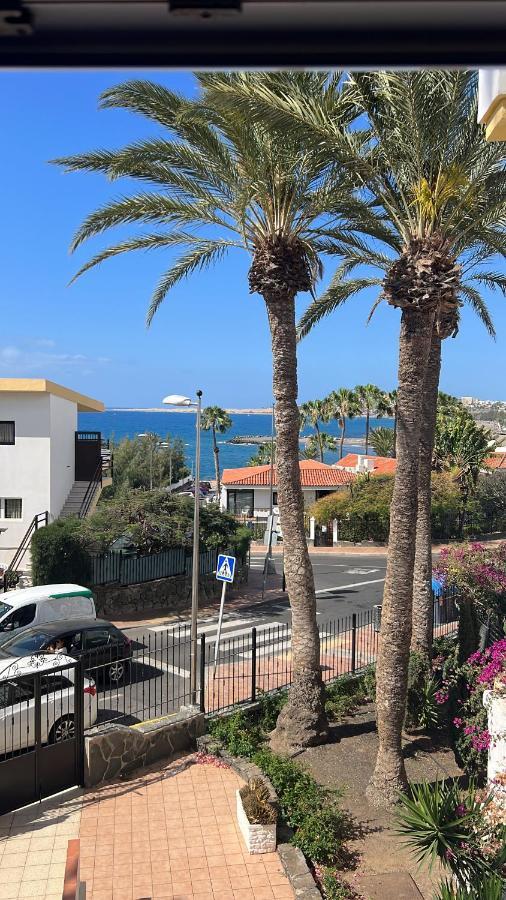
(302, 722)
(341, 442)
(319, 439)
(216, 463)
(392, 668)
(367, 431)
(394, 454)
(421, 638)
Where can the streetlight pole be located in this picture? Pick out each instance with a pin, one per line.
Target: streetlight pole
(195, 560)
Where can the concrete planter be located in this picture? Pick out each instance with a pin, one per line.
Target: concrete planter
(258, 838)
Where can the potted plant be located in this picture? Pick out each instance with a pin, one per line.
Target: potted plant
(257, 816)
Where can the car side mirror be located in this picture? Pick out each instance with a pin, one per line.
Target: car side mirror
(8, 627)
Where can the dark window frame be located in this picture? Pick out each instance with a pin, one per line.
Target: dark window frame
(236, 493)
(15, 500)
(9, 422)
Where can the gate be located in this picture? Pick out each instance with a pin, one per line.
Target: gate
(41, 731)
(88, 454)
(323, 535)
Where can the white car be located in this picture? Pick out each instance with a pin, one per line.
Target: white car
(17, 703)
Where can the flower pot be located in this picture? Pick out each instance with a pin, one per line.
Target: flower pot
(258, 838)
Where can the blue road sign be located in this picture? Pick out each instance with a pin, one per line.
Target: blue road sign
(225, 568)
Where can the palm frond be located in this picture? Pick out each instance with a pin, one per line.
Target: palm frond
(198, 257)
(337, 293)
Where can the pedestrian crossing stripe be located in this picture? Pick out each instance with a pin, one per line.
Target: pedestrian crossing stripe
(225, 568)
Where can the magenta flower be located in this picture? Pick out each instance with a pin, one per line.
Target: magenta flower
(460, 810)
(458, 722)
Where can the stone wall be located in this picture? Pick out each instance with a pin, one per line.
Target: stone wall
(168, 594)
(116, 750)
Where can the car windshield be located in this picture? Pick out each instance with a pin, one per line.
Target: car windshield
(4, 608)
(27, 643)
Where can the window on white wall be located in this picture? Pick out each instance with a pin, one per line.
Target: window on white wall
(11, 508)
(7, 433)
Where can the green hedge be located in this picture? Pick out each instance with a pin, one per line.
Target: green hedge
(59, 554)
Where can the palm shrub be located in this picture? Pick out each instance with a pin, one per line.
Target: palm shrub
(440, 821)
(382, 441)
(220, 180)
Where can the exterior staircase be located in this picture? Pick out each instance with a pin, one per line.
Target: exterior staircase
(74, 503)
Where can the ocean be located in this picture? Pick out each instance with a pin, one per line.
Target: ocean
(117, 424)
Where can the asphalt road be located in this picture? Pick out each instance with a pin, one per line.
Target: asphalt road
(159, 676)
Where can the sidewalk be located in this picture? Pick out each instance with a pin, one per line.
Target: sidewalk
(171, 832)
(168, 833)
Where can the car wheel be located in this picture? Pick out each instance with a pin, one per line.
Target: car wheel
(62, 730)
(116, 672)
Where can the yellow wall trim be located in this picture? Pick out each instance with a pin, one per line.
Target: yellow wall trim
(44, 386)
(496, 123)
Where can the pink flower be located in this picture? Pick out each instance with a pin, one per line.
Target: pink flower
(458, 722)
(460, 810)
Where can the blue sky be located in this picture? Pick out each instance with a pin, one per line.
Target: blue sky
(211, 332)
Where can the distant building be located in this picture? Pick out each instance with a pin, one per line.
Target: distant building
(361, 464)
(246, 491)
(45, 462)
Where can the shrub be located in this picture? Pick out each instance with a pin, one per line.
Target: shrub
(345, 694)
(423, 697)
(59, 554)
(238, 733)
(441, 822)
(321, 834)
(472, 738)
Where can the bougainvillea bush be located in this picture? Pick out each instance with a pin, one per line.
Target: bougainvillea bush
(478, 674)
(478, 572)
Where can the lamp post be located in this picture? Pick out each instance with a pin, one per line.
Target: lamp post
(180, 400)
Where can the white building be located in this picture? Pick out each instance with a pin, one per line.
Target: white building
(42, 454)
(246, 492)
(492, 103)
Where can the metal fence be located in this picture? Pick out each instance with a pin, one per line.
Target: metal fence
(123, 568)
(153, 678)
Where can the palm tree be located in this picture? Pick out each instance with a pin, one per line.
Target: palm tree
(342, 405)
(382, 440)
(317, 445)
(312, 412)
(461, 446)
(434, 194)
(369, 397)
(215, 419)
(263, 455)
(220, 180)
(387, 406)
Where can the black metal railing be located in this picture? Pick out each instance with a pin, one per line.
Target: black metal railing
(10, 575)
(151, 677)
(91, 491)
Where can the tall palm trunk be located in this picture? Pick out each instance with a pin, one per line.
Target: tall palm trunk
(319, 439)
(421, 638)
(394, 454)
(216, 453)
(302, 722)
(367, 414)
(341, 442)
(392, 668)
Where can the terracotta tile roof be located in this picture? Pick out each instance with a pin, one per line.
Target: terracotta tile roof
(312, 474)
(383, 465)
(497, 461)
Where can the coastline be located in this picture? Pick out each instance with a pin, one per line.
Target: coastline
(266, 411)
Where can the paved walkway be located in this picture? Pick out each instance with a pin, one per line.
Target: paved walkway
(172, 833)
(169, 832)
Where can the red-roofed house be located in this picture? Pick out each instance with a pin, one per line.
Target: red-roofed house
(359, 464)
(496, 461)
(246, 491)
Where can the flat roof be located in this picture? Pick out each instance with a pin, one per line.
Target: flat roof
(44, 386)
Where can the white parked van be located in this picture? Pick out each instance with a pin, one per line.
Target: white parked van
(42, 604)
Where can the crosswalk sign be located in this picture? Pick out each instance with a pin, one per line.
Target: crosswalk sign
(225, 568)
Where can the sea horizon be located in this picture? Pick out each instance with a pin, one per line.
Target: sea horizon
(116, 423)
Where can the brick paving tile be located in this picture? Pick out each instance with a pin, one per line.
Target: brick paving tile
(171, 833)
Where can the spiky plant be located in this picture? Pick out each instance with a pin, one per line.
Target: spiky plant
(217, 179)
(382, 441)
